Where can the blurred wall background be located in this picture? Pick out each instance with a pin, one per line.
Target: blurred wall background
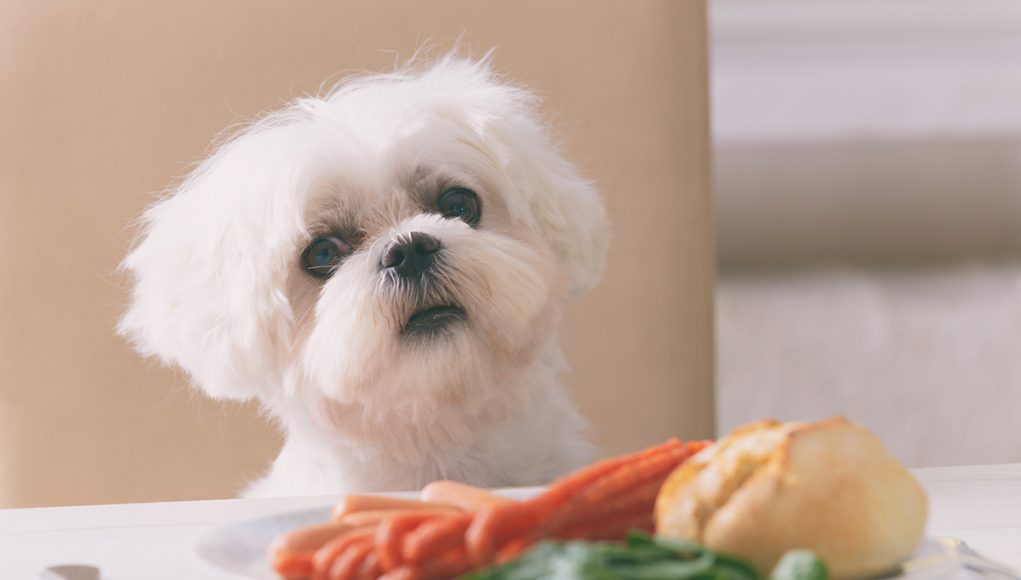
(867, 177)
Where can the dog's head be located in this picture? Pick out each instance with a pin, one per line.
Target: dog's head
(406, 240)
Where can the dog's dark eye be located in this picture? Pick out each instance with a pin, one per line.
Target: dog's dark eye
(462, 204)
(322, 256)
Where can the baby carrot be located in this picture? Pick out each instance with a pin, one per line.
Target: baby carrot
(401, 573)
(292, 553)
(637, 500)
(375, 517)
(345, 566)
(435, 537)
(493, 526)
(512, 550)
(390, 537)
(326, 555)
(468, 498)
(369, 568)
(646, 473)
(450, 564)
(567, 487)
(377, 503)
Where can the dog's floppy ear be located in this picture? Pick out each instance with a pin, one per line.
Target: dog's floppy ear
(567, 211)
(564, 207)
(211, 267)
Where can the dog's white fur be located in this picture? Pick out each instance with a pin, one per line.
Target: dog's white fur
(220, 290)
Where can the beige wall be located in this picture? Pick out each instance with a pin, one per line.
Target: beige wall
(104, 102)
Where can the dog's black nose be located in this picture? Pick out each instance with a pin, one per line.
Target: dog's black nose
(410, 256)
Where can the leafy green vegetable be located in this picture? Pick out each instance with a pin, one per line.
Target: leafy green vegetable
(800, 565)
(642, 558)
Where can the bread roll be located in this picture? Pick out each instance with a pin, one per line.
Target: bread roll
(769, 487)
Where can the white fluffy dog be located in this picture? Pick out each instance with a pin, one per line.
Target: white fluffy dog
(385, 269)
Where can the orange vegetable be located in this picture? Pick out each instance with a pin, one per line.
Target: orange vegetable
(568, 487)
(496, 525)
(459, 527)
(402, 573)
(348, 562)
(291, 554)
(435, 537)
(369, 569)
(375, 517)
(512, 549)
(390, 537)
(325, 556)
(466, 497)
(449, 564)
(376, 503)
(630, 486)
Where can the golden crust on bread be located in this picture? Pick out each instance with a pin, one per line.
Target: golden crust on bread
(768, 487)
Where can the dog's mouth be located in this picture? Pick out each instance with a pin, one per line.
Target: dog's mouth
(434, 319)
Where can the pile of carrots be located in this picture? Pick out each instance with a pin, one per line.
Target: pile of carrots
(457, 528)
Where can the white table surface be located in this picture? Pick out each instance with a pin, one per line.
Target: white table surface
(979, 504)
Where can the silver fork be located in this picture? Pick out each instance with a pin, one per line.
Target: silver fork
(956, 555)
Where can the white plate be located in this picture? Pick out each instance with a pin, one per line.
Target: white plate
(239, 550)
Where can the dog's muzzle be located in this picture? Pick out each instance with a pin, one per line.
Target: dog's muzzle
(410, 256)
